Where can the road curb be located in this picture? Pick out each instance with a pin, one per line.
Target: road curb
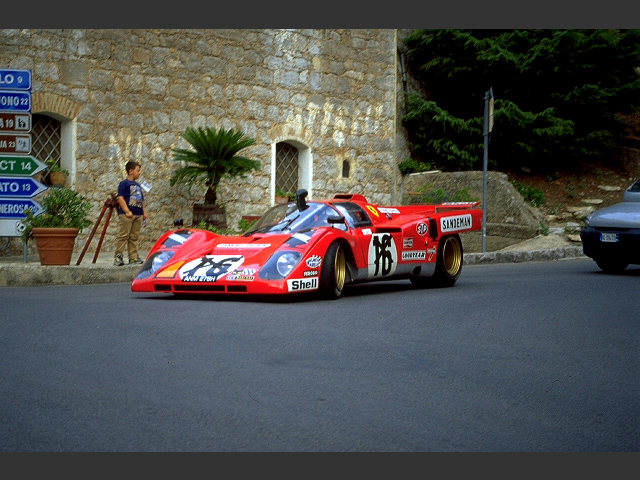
(33, 274)
(518, 256)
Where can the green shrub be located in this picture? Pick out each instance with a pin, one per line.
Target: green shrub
(429, 195)
(532, 195)
(413, 166)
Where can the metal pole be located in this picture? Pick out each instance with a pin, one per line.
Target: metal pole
(488, 95)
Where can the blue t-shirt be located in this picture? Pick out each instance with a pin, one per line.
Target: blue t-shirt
(132, 193)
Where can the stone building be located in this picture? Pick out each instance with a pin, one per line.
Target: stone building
(323, 105)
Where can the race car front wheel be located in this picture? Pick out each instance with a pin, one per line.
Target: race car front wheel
(449, 263)
(334, 272)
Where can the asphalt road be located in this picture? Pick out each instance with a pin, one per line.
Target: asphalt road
(530, 357)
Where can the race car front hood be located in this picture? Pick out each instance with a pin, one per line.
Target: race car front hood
(620, 215)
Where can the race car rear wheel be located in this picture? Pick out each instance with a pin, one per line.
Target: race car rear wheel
(449, 263)
(334, 272)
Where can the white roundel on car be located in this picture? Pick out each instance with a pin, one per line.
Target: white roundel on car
(383, 256)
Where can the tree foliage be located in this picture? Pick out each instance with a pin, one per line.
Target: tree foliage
(558, 95)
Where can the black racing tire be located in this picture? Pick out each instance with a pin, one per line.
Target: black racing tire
(334, 272)
(611, 265)
(449, 262)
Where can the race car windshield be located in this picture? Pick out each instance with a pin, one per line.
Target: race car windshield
(281, 218)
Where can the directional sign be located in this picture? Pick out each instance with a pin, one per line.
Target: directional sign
(15, 122)
(20, 187)
(15, 100)
(15, 208)
(20, 165)
(17, 79)
(15, 143)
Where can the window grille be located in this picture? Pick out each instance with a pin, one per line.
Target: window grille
(286, 167)
(45, 139)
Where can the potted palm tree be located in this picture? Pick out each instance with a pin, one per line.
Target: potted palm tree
(214, 155)
(66, 213)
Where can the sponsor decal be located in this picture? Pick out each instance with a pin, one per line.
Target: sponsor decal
(210, 268)
(407, 243)
(301, 284)
(373, 210)
(314, 261)
(243, 245)
(388, 210)
(310, 273)
(422, 228)
(455, 223)
(414, 255)
(366, 231)
(383, 256)
(243, 275)
(431, 251)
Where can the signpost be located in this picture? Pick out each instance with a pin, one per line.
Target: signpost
(15, 100)
(20, 165)
(15, 122)
(15, 79)
(17, 188)
(15, 143)
(20, 187)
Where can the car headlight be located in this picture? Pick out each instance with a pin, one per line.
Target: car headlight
(154, 263)
(286, 262)
(280, 265)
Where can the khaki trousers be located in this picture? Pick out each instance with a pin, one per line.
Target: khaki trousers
(128, 234)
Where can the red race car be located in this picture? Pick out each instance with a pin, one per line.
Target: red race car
(319, 245)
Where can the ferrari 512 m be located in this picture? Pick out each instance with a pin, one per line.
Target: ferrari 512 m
(315, 246)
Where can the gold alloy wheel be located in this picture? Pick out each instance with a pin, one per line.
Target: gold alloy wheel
(452, 256)
(340, 268)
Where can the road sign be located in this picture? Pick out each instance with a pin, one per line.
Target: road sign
(10, 227)
(15, 208)
(20, 165)
(15, 122)
(15, 79)
(15, 143)
(15, 100)
(14, 187)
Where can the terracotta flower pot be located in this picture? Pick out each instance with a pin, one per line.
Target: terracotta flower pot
(57, 178)
(55, 245)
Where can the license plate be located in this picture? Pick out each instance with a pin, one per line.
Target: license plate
(609, 237)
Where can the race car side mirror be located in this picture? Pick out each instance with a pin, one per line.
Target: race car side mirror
(301, 201)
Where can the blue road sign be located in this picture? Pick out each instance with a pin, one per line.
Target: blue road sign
(15, 79)
(15, 208)
(15, 100)
(25, 187)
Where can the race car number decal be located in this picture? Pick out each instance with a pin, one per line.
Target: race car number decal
(383, 256)
(455, 223)
(210, 268)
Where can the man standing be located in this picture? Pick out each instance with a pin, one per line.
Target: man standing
(131, 213)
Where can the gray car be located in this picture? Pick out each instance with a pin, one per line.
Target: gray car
(611, 236)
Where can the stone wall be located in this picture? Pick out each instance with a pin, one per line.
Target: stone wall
(128, 94)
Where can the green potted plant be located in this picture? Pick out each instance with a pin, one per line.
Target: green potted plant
(283, 196)
(214, 155)
(57, 175)
(66, 213)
